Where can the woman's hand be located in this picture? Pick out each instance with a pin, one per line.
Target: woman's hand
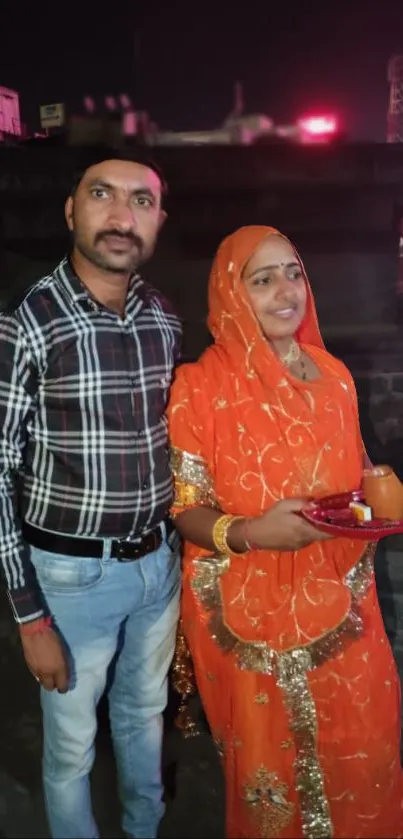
(281, 529)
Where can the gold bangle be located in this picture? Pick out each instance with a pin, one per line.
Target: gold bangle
(220, 532)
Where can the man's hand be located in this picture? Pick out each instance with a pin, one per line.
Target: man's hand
(46, 659)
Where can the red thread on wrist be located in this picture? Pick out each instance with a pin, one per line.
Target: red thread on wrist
(35, 626)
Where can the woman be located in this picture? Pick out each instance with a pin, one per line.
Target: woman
(291, 659)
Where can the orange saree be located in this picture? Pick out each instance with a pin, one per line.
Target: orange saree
(291, 659)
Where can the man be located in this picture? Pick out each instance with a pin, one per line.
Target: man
(86, 361)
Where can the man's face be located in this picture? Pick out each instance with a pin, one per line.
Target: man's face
(115, 215)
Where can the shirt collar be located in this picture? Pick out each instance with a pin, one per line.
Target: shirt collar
(78, 293)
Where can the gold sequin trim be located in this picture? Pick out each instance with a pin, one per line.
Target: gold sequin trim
(259, 656)
(184, 682)
(286, 744)
(193, 484)
(290, 669)
(293, 681)
(187, 495)
(267, 799)
(262, 699)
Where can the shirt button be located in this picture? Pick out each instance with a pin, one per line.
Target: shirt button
(146, 484)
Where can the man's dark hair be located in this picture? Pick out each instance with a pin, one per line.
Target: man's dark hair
(132, 155)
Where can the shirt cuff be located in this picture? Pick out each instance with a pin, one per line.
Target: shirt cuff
(26, 606)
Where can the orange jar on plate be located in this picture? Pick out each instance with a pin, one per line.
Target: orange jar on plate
(383, 492)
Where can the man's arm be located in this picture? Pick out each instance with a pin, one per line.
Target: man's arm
(18, 384)
(42, 647)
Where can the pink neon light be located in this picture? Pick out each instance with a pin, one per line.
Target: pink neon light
(318, 125)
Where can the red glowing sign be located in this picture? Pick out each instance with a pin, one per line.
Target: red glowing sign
(318, 126)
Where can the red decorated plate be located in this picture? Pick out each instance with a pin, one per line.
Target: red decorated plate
(332, 515)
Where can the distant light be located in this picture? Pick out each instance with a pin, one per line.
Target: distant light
(89, 104)
(130, 126)
(110, 103)
(317, 128)
(125, 101)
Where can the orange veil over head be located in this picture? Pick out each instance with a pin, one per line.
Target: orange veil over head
(231, 319)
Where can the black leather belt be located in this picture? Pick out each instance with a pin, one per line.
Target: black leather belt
(121, 549)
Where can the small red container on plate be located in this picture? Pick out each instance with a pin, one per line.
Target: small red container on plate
(332, 515)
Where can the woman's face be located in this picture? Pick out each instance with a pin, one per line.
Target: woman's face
(275, 283)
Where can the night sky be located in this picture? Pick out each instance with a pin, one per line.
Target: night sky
(179, 60)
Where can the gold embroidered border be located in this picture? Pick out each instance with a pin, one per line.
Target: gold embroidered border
(266, 797)
(293, 681)
(258, 656)
(290, 668)
(193, 484)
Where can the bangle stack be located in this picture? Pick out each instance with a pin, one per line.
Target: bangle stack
(220, 535)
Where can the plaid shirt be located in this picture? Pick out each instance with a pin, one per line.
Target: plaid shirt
(83, 437)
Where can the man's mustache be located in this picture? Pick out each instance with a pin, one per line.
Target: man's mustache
(131, 237)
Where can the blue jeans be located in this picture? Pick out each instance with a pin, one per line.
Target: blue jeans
(100, 607)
